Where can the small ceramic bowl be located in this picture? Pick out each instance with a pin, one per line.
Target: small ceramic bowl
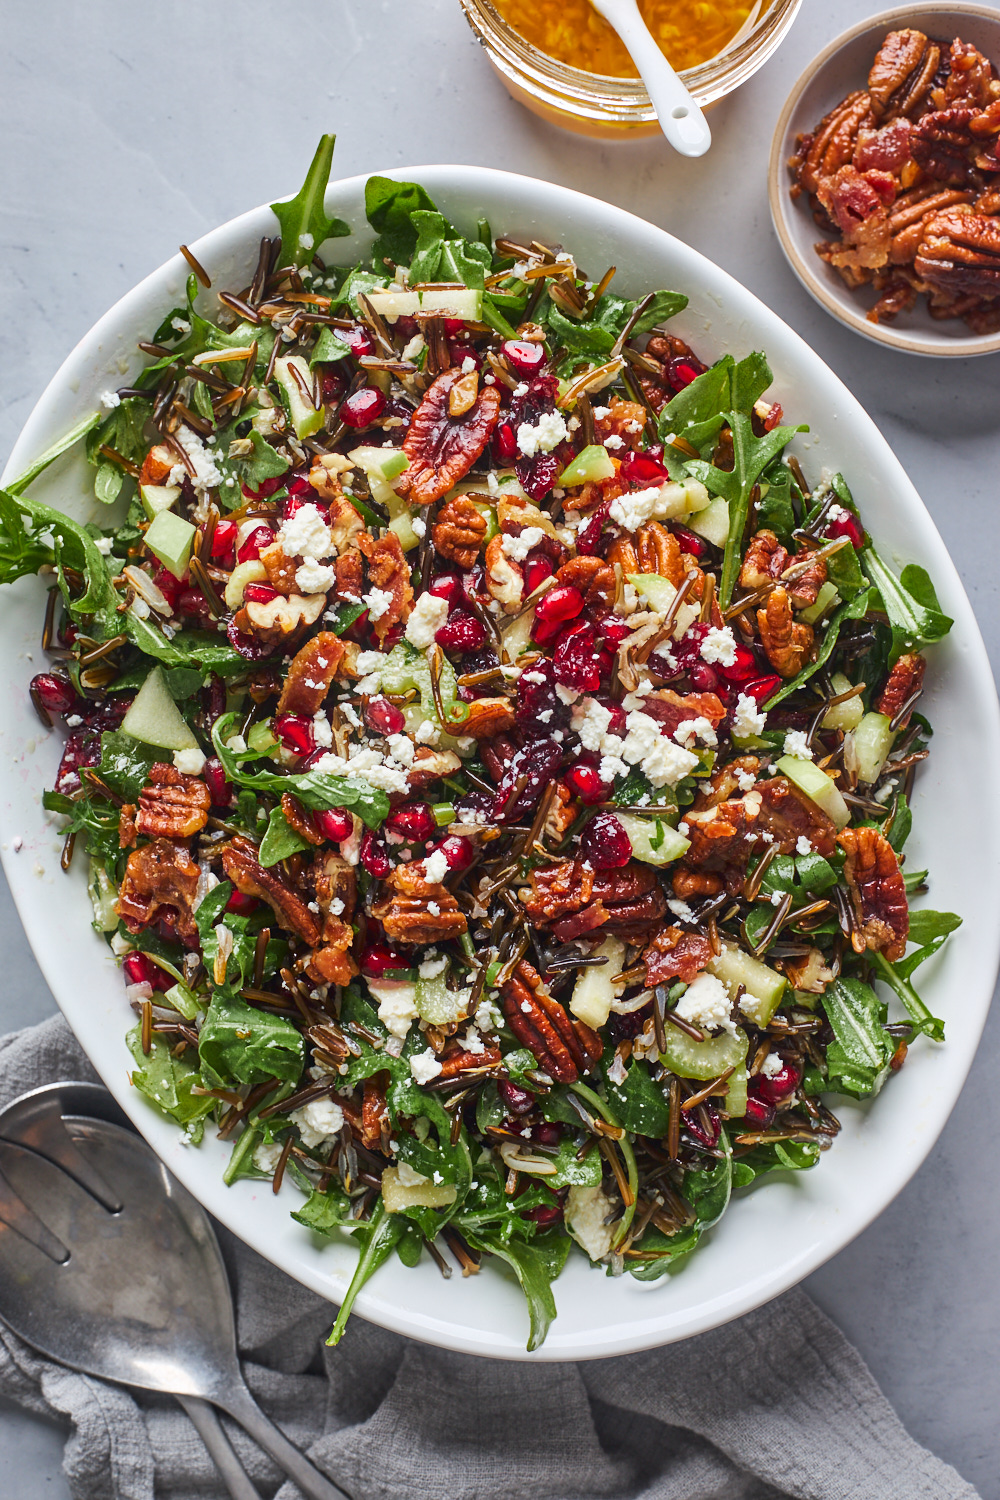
(830, 77)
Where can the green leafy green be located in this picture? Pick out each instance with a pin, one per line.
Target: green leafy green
(262, 462)
(59, 447)
(858, 1059)
(536, 1264)
(328, 348)
(324, 1212)
(303, 219)
(639, 1102)
(125, 764)
(595, 337)
(279, 841)
(238, 1044)
(910, 602)
(929, 930)
(72, 546)
(189, 648)
(378, 1237)
(389, 207)
(168, 1081)
(315, 789)
(708, 1191)
(440, 255)
(919, 1013)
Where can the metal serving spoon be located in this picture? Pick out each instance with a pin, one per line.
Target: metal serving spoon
(681, 120)
(136, 1294)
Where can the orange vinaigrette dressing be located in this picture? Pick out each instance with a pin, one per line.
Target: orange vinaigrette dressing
(687, 31)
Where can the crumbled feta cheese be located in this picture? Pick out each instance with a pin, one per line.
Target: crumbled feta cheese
(634, 510)
(207, 475)
(548, 432)
(803, 845)
(468, 365)
(180, 325)
(436, 867)
(267, 1156)
(432, 966)
(416, 346)
(746, 780)
(434, 908)
(518, 547)
(306, 241)
(364, 764)
(306, 534)
(772, 1065)
(695, 729)
(401, 748)
(428, 615)
(427, 733)
(614, 441)
(313, 577)
(797, 745)
(424, 1066)
(706, 1003)
(189, 762)
(322, 730)
(660, 760)
(318, 1121)
(104, 545)
(719, 646)
(748, 720)
(396, 1008)
(110, 399)
(754, 1008)
(419, 526)
(492, 483)
(378, 602)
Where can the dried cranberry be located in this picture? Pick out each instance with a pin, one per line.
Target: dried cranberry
(584, 782)
(536, 763)
(358, 340)
(537, 568)
(446, 586)
(224, 538)
(589, 536)
(564, 602)
(334, 823)
(459, 350)
(170, 587)
(473, 804)
(259, 593)
(363, 408)
(215, 779)
(538, 398)
(517, 1100)
(744, 667)
(254, 543)
(461, 632)
(682, 370)
(453, 326)
(694, 1126)
(546, 635)
(847, 525)
(605, 843)
(689, 540)
(331, 385)
(537, 696)
(545, 1215)
(242, 905)
(761, 688)
(538, 474)
(139, 968)
(383, 717)
(393, 636)
(524, 357)
(579, 661)
(642, 468)
(758, 1113)
(458, 852)
(776, 1088)
(82, 748)
(374, 855)
(57, 694)
(546, 1134)
(505, 443)
(414, 820)
(406, 328)
(704, 678)
(295, 732)
(378, 959)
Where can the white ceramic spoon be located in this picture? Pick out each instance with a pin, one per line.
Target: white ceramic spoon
(681, 121)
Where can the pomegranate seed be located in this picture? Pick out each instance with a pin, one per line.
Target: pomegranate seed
(242, 905)
(545, 1215)
(545, 635)
(773, 1090)
(383, 717)
(744, 667)
(847, 525)
(170, 587)
(334, 823)
(761, 688)
(331, 386)
(682, 370)
(193, 602)
(363, 408)
(82, 748)
(249, 647)
(266, 488)
(374, 856)
(758, 1113)
(414, 820)
(137, 968)
(689, 541)
(57, 694)
(259, 593)
(215, 779)
(616, 724)
(453, 326)
(524, 357)
(564, 602)
(704, 677)
(378, 960)
(446, 586)
(584, 782)
(300, 489)
(461, 632)
(505, 443)
(358, 340)
(295, 732)
(546, 1134)
(614, 630)
(605, 843)
(642, 468)
(224, 538)
(459, 351)
(517, 1100)
(254, 543)
(536, 570)
(458, 852)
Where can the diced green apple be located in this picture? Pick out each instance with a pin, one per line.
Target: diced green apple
(658, 591)
(381, 466)
(307, 418)
(690, 1059)
(763, 987)
(817, 785)
(436, 1003)
(826, 599)
(846, 715)
(462, 302)
(103, 898)
(713, 522)
(591, 464)
(594, 990)
(157, 497)
(653, 840)
(872, 741)
(155, 719)
(170, 538)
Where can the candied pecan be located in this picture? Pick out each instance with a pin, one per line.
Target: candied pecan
(349, 577)
(334, 883)
(941, 145)
(488, 717)
(902, 73)
(831, 145)
(299, 819)
(878, 893)
(912, 211)
(161, 879)
(786, 641)
(405, 910)
(661, 349)
(594, 578)
(764, 561)
(625, 420)
(311, 674)
(673, 709)
(688, 883)
(674, 954)
(719, 838)
(497, 756)
(455, 1059)
(240, 863)
(960, 253)
(442, 448)
(561, 814)
(156, 465)
(504, 578)
(459, 531)
(127, 831)
(374, 1109)
(623, 554)
(897, 295)
(803, 587)
(172, 805)
(562, 1046)
(724, 781)
(905, 679)
(430, 765)
(280, 568)
(324, 476)
(389, 572)
(971, 77)
(573, 900)
(280, 621)
(592, 494)
(809, 974)
(788, 815)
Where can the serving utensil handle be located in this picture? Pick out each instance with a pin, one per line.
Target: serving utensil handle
(239, 1403)
(236, 1479)
(681, 120)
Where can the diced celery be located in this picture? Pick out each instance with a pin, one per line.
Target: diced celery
(155, 719)
(817, 785)
(761, 984)
(653, 840)
(103, 897)
(690, 1059)
(846, 715)
(489, 511)
(169, 538)
(183, 1000)
(261, 737)
(735, 1103)
(396, 1196)
(307, 418)
(382, 466)
(872, 741)
(591, 464)
(826, 599)
(594, 991)
(436, 1003)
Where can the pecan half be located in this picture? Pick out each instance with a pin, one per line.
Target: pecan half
(809, 974)
(488, 717)
(572, 900)
(349, 574)
(688, 883)
(823, 151)
(940, 145)
(719, 838)
(764, 561)
(594, 578)
(960, 253)
(561, 814)
(672, 709)
(172, 805)
(311, 674)
(298, 818)
(389, 572)
(878, 893)
(417, 910)
(788, 815)
(786, 641)
(430, 765)
(442, 448)
(459, 531)
(504, 579)
(625, 420)
(674, 954)
(280, 621)
(239, 861)
(160, 885)
(905, 679)
(455, 1059)
(661, 349)
(562, 1046)
(902, 73)
(345, 523)
(374, 1109)
(280, 568)
(335, 885)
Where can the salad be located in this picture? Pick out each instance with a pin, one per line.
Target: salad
(491, 752)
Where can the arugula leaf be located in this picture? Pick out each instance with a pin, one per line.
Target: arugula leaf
(60, 446)
(303, 219)
(851, 609)
(928, 930)
(263, 462)
(279, 841)
(189, 648)
(910, 602)
(595, 337)
(125, 764)
(708, 1190)
(858, 1060)
(167, 1081)
(324, 1212)
(792, 1156)
(315, 789)
(776, 512)
(98, 820)
(573, 1170)
(900, 830)
(698, 411)
(389, 208)
(238, 1044)
(328, 348)
(440, 255)
(639, 1103)
(378, 1237)
(22, 552)
(536, 1265)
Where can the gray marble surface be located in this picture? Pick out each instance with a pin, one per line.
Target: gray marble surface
(129, 128)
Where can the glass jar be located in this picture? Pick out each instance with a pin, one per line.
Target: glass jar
(615, 108)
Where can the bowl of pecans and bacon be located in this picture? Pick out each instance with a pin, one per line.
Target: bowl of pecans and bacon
(884, 179)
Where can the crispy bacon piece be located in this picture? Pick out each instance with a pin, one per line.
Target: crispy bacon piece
(788, 815)
(673, 709)
(311, 674)
(161, 882)
(405, 909)
(240, 863)
(442, 448)
(350, 578)
(572, 900)
(786, 641)
(856, 203)
(563, 1046)
(905, 679)
(674, 954)
(388, 571)
(878, 893)
(172, 805)
(459, 531)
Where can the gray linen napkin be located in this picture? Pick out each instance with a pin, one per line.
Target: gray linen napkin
(777, 1404)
